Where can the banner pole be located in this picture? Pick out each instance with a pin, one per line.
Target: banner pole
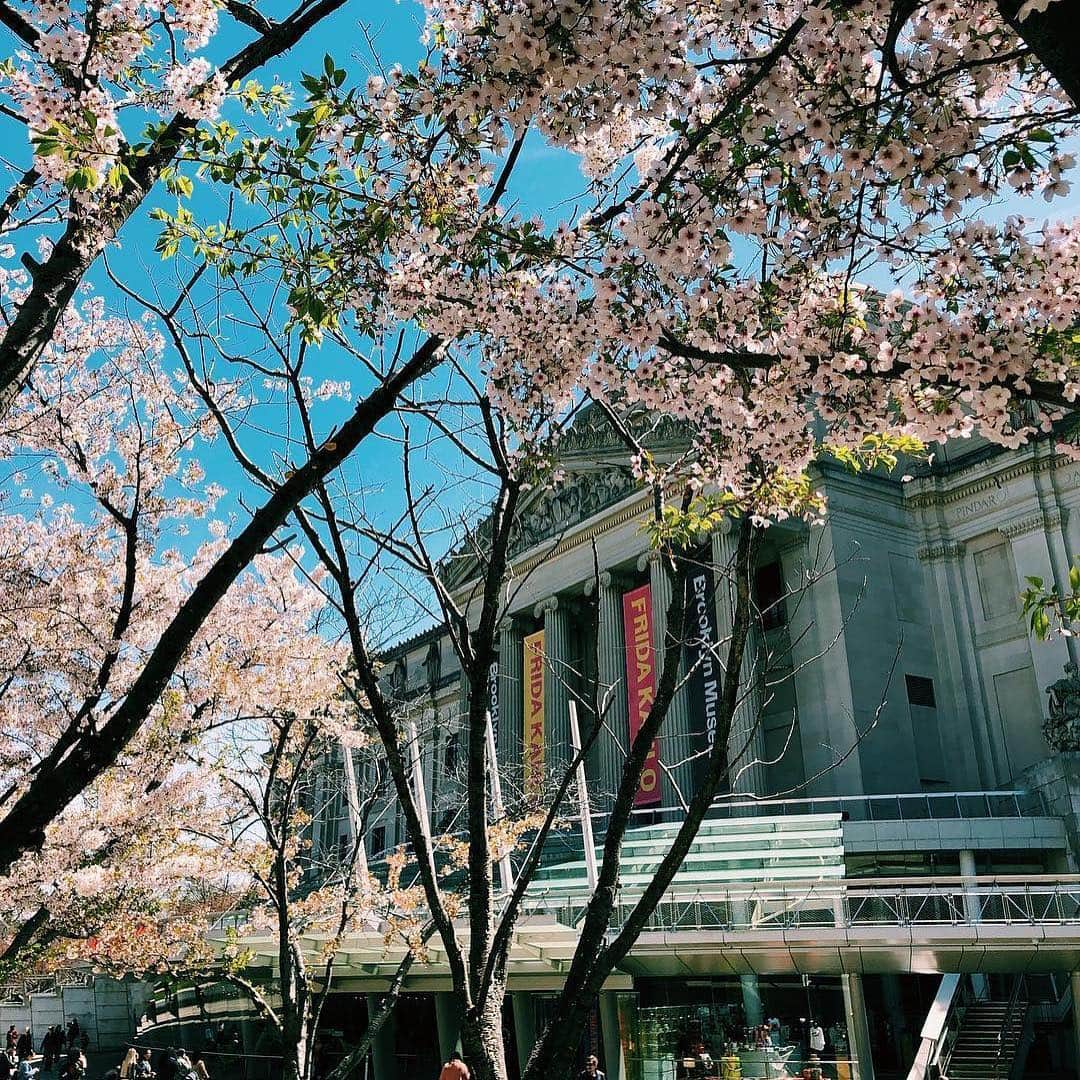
(352, 799)
(583, 801)
(506, 877)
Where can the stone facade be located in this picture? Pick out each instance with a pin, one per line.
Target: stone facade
(893, 656)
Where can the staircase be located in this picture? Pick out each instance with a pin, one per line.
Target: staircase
(988, 1040)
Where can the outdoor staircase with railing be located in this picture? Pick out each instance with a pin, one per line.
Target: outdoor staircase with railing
(969, 1035)
(988, 1040)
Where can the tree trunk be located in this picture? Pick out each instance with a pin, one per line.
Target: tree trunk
(294, 1051)
(482, 1039)
(1051, 36)
(556, 1049)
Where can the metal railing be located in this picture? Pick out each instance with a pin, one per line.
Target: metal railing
(911, 806)
(916, 806)
(1006, 900)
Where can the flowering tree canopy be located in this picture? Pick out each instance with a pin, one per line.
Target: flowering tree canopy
(803, 228)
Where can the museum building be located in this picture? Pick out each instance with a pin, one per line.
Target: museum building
(889, 884)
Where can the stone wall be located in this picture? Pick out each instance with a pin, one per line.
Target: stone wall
(1057, 780)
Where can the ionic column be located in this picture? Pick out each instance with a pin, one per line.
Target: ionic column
(745, 761)
(511, 719)
(675, 740)
(611, 743)
(557, 677)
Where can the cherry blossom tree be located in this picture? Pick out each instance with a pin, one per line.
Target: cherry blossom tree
(76, 92)
(789, 238)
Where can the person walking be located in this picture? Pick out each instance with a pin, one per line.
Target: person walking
(455, 1069)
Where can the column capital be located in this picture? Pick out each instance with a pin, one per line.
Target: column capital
(648, 560)
(551, 604)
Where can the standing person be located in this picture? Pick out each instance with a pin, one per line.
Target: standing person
(12, 1039)
(24, 1048)
(127, 1066)
(455, 1069)
(7, 1066)
(143, 1070)
(167, 1069)
(47, 1044)
(592, 1069)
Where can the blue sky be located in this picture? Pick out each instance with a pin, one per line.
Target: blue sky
(545, 178)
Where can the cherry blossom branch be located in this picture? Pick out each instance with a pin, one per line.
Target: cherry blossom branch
(22, 827)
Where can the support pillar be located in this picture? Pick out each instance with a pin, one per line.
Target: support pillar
(972, 912)
(609, 1029)
(446, 1020)
(892, 996)
(753, 1010)
(612, 742)
(384, 1045)
(524, 1026)
(746, 742)
(858, 1028)
(1075, 981)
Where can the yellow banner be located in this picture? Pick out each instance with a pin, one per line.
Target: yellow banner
(534, 712)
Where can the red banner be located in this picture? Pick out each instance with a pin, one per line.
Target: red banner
(641, 683)
(534, 712)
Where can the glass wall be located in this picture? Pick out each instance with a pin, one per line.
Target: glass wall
(693, 1029)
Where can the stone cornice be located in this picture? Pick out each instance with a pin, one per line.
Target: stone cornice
(1049, 519)
(938, 495)
(941, 551)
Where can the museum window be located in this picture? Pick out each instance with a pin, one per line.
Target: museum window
(769, 595)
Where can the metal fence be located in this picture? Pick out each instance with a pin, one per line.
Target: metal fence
(873, 902)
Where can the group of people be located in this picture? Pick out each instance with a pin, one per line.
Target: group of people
(60, 1049)
(172, 1064)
